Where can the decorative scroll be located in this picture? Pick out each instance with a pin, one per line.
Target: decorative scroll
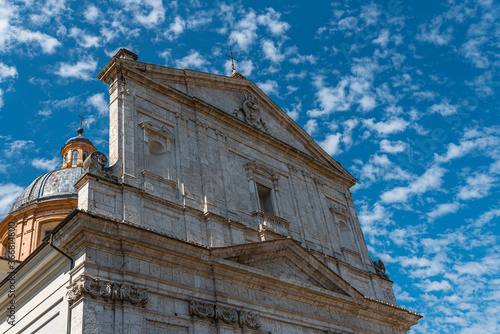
(104, 289)
(250, 319)
(251, 111)
(226, 314)
(201, 309)
(380, 269)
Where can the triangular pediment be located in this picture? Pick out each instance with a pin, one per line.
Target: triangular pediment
(287, 260)
(238, 98)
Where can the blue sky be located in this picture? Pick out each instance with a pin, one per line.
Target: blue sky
(403, 94)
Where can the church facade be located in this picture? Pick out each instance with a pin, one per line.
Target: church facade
(217, 214)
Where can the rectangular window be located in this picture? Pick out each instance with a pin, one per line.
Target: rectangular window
(265, 201)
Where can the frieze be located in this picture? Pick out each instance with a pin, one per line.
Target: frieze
(250, 319)
(229, 315)
(99, 288)
(201, 309)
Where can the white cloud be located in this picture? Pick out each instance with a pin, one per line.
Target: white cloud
(429, 286)
(356, 88)
(378, 168)
(83, 39)
(422, 267)
(175, 29)
(99, 102)
(444, 108)
(331, 144)
(9, 192)
(272, 52)
(330, 99)
(45, 164)
(393, 147)
(431, 32)
(15, 147)
(83, 69)
(7, 72)
(382, 39)
(1, 98)
(269, 87)
(485, 140)
(487, 217)
(271, 19)
(294, 110)
(11, 35)
(311, 127)
(472, 51)
(91, 13)
(478, 186)
(442, 210)
(244, 31)
(245, 67)
(384, 128)
(46, 42)
(155, 16)
(193, 60)
(430, 180)
(374, 220)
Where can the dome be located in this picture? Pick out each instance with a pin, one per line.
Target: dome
(56, 184)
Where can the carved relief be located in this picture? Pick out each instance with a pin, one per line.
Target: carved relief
(251, 112)
(107, 290)
(201, 309)
(250, 319)
(226, 314)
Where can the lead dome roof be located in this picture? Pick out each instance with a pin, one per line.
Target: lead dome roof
(57, 184)
(79, 138)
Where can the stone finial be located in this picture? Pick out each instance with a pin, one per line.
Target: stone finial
(380, 269)
(126, 54)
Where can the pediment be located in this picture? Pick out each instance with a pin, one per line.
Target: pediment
(239, 98)
(289, 262)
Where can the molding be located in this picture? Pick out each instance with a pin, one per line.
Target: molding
(159, 178)
(161, 131)
(339, 210)
(85, 285)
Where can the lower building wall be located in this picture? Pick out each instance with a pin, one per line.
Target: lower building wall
(40, 304)
(129, 280)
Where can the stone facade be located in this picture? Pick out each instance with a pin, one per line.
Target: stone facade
(218, 214)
